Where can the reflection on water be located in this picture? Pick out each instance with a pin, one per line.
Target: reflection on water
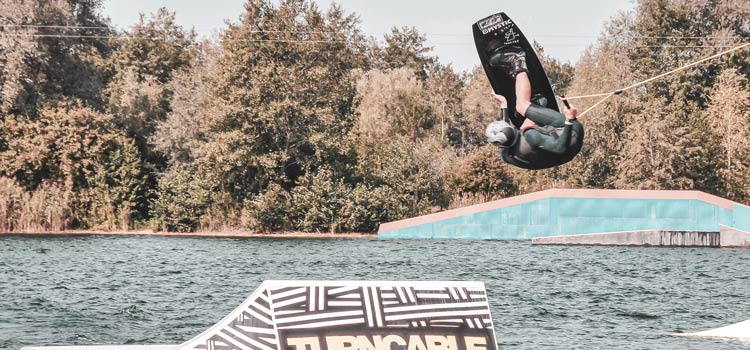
(147, 290)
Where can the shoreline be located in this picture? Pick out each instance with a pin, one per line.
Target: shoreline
(200, 234)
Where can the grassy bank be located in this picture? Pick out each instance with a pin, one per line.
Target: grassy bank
(220, 234)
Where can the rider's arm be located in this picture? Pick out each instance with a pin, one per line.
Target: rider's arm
(549, 143)
(544, 116)
(506, 157)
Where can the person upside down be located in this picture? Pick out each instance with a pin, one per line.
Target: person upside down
(546, 138)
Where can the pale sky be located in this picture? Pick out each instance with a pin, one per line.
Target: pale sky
(563, 27)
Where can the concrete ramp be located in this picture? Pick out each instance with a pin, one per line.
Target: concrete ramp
(738, 331)
(590, 217)
(726, 237)
(732, 237)
(339, 315)
(648, 238)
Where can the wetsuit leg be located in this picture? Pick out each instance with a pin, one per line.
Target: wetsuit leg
(545, 116)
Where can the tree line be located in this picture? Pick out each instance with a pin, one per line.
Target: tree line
(292, 119)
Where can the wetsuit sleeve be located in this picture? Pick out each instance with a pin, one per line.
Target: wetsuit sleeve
(505, 155)
(549, 143)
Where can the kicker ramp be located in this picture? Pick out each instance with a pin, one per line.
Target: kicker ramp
(336, 315)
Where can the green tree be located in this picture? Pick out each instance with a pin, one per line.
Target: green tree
(482, 172)
(18, 44)
(677, 32)
(142, 66)
(284, 96)
(601, 68)
(657, 151)
(61, 59)
(410, 114)
(319, 200)
(377, 92)
(82, 149)
(139, 105)
(272, 210)
(411, 175)
(397, 103)
(183, 198)
(181, 134)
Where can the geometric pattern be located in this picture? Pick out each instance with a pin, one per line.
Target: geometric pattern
(285, 306)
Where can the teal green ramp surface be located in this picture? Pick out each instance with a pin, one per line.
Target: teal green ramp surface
(576, 212)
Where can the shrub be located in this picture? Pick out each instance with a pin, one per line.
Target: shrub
(46, 209)
(410, 177)
(12, 197)
(181, 202)
(268, 211)
(76, 150)
(482, 174)
(363, 210)
(318, 200)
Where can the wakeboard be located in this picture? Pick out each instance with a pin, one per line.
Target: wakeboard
(499, 31)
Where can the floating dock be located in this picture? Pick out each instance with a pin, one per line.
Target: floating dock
(590, 217)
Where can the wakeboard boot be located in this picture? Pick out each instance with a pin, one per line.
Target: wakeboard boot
(509, 59)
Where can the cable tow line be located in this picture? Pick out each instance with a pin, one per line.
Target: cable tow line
(607, 95)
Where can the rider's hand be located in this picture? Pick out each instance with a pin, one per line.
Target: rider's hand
(571, 113)
(500, 99)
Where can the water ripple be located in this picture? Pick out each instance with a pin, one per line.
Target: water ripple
(136, 290)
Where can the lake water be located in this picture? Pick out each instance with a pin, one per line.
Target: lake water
(149, 290)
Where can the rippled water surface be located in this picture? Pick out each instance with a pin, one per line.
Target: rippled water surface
(146, 290)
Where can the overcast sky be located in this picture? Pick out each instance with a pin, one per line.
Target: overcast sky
(564, 28)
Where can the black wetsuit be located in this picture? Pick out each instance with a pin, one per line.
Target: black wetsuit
(551, 142)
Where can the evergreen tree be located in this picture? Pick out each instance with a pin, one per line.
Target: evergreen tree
(155, 47)
(405, 47)
(139, 93)
(602, 68)
(728, 120)
(444, 89)
(479, 109)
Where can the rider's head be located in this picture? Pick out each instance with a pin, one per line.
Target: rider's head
(501, 134)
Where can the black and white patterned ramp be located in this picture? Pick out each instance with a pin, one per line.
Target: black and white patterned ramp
(336, 315)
